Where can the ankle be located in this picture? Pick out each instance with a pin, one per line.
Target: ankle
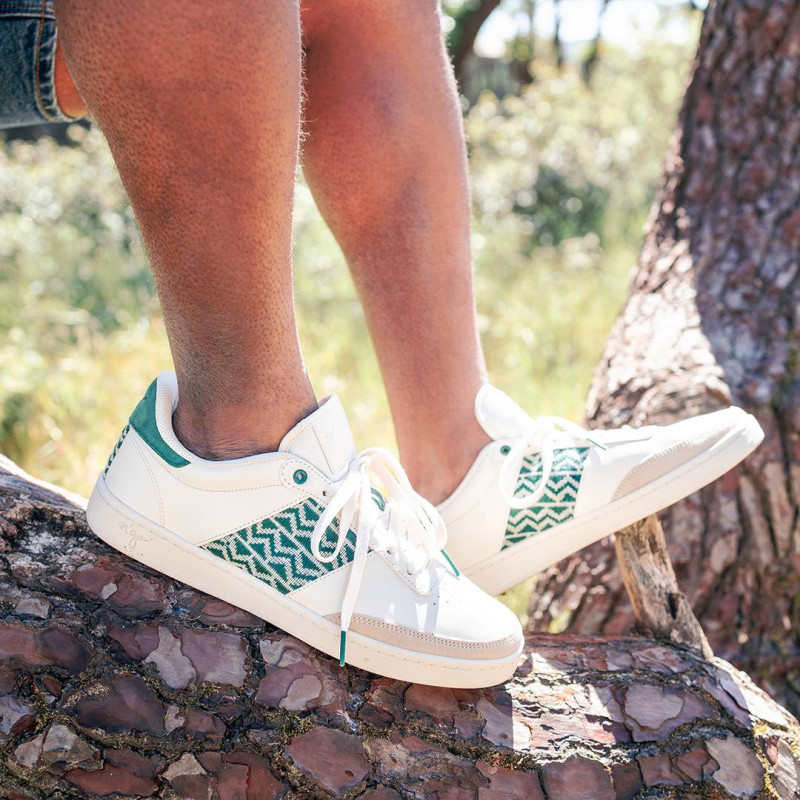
(226, 432)
(436, 464)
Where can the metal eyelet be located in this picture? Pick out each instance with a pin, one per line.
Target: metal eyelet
(300, 476)
(505, 449)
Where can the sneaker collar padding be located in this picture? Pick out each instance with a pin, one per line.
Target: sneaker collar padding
(323, 438)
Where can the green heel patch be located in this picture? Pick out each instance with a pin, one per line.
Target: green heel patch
(143, 421)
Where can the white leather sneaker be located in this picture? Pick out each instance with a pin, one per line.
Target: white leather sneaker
(545, 488)
(303, 539)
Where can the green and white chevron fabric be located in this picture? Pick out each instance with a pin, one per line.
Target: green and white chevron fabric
(557, 503)
(278, 549)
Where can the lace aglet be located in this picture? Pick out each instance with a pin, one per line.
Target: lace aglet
(450, 562)
(342, 646)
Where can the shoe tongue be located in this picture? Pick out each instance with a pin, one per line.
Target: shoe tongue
(499, 415)
(323, 438)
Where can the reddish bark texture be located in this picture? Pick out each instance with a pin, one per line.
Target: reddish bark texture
(118, 682)
(712, 319)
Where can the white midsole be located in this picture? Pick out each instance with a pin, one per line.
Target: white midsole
(144, 540)
(518, 562)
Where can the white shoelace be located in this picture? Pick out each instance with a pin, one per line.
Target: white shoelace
(539, 437)
(405, 516)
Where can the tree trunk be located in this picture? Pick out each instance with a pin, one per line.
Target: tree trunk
(117, 681)
(468, 22)
(712, 319)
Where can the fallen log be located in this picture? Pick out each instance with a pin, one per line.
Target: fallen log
(711, 320)
(118, 682)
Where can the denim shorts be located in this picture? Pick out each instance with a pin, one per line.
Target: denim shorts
(27, 63)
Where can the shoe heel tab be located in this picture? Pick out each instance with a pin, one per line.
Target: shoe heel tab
(143, 420)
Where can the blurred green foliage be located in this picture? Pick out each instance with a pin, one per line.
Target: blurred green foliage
(562, 178)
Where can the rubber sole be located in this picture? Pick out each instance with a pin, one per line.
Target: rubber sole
(129, 532)
(519, 562)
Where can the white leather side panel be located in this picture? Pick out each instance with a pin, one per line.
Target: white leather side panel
(463, 613)
(476, 513)
(603, 471)
(200, 516)
(130, 478)
(189, 502)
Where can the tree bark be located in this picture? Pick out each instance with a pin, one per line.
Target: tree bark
(712, 319)
(468, 23)
(661, 609)
(116, 681)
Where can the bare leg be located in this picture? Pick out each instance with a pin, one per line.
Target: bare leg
(68, 98)
(200, 105)
(386, 160)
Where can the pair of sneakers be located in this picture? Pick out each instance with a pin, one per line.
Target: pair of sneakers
(337, 549)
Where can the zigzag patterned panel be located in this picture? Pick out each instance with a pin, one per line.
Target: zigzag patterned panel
(278, 549)
(556, 505)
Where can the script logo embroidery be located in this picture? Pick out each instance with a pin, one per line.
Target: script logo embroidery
(134, 532)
